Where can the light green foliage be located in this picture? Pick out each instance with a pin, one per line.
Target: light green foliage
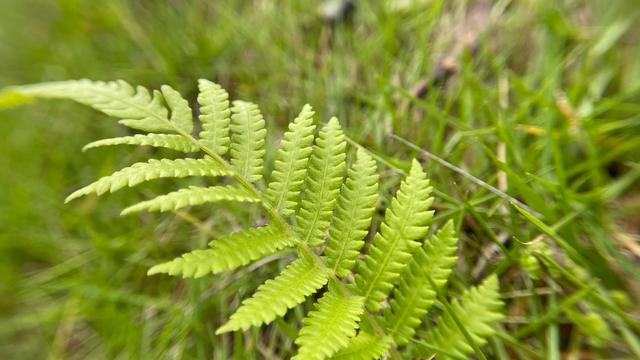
(324, 177)
(227, 253)
(544, 107)
(136, 107)
(330, 326)
(308, 180)
(214, 115)
(351, 221)
(247, 140)
(290, 167)
(181, 115)
(365, 346)
(404, 226)
(300, 279)
(153, 169)
(412, 298)
(169, 141)
(476, 310)
(194, 195)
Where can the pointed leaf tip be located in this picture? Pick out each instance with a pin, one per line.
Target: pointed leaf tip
(415, 164)
(334, 122)
(74, 195)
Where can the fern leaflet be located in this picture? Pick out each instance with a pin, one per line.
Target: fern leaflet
(330, 326)
(324, 177)
(415, 294)
(214, 115)
(405, 223)
(290, 169)
(365, 346)
(352, 218)
(194, 195)
(136, 108)
(300, 279)
(478, 308)
(153, 169)
(169, 141)
(247, 140)
(181, 115)
(227, 253)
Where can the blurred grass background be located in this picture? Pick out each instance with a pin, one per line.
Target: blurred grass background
(539, 98)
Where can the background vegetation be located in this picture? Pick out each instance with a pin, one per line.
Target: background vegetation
(539, 98)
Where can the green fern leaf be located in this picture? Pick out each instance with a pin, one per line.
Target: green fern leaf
(478, 309)
(135, 106)
(415, 294)
(405, 223)
(153, 169)
(247, 140)
(317, 165)
(330, 326)
(352, 218)
(290, 169)
(300, 279)
(169, 141)
(323, 181)
(194, 195)
(365, 346)
(227, 253)
(214, 115)
(181, 115)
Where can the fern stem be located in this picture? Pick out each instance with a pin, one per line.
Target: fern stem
(240, 179)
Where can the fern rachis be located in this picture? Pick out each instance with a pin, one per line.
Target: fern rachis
(351, 320)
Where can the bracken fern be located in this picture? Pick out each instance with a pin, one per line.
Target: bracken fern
(372, 305)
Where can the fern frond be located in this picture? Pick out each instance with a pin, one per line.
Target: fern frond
(317, 165)
(300, 279)
(247, 140)
(227, 253)
(290, 168)
(194, 195)
(405, 223)
(322, 185)
(330, 326)
(478, 309)
(169, 141)
(136, 107)
(181, 114)
(354, 210)
(153, 169)
(365, 346)
(432, 264)
(214, 115)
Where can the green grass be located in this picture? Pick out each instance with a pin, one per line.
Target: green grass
(554, 84)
